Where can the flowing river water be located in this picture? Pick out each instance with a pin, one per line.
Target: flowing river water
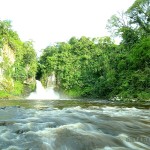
(74, 125)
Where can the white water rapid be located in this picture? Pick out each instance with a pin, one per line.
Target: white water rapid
(42, 93)
(73, 128)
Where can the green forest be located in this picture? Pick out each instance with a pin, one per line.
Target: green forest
(18, 63)
(85, 67)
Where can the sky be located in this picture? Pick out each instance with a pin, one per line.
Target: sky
(49, 21)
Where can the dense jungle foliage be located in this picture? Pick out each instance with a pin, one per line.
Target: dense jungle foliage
(18, 63)
(97, 67)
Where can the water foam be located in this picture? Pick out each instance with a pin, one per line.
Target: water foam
(73, 128)
(42, 93)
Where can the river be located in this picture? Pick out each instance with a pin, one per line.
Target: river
(73, 125)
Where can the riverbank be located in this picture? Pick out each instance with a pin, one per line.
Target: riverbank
(83, 103)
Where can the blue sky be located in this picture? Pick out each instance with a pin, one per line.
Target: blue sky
(49, 21)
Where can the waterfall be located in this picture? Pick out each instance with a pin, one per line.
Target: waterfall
(42, 93)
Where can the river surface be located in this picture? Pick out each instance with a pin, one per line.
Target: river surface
(73, 125)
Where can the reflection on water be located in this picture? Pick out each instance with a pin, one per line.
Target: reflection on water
(78, 127)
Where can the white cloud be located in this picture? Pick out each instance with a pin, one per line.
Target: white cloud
(49, 21)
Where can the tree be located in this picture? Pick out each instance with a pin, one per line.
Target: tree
(18, 60)
(117, 22)
(5, 27)
(139, 14)
(119, 25)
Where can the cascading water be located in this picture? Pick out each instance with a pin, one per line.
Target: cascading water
(42, 93)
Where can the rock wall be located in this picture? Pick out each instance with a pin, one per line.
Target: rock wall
(7, 58)
(9, 53)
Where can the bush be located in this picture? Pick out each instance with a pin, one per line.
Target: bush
(4, 94)
(18, 88)
(144, 95)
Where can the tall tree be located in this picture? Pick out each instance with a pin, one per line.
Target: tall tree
(139, 14)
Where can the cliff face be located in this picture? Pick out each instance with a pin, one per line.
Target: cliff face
(18, 62)
(8, 52)
(1, 70)
(7, 59)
